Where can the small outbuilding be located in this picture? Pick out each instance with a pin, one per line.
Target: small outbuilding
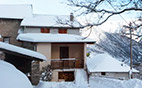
(107, 66)
(23, 59)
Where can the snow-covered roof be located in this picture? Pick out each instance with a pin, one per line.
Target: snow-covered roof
(10, 77)
(15, 11)
(22, 51)
(53, 38)
(39, 20)
(106, 63)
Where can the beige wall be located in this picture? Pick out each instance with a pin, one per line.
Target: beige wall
(55, 76)
(9, 28)
(75, 51)
(45, 49)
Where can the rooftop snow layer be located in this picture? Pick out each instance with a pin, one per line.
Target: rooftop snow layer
(106, 63)
(21, 50)
(39, 20)
(15, 11)
(53, 38)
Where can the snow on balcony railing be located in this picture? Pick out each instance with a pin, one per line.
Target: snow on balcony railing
(65, 63)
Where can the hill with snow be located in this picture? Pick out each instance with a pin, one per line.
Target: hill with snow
(118, 46)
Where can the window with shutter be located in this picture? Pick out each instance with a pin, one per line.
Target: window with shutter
(63, 31)
(45, 30)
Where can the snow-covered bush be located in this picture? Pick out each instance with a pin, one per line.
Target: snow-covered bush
(46, 73)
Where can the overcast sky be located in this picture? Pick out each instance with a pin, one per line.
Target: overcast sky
(44, 6)
(59, 7)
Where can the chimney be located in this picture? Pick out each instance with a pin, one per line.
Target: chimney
(71, 17)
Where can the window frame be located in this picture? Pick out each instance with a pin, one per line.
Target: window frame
(6, 38)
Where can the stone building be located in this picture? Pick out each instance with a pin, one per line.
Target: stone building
(10, 19)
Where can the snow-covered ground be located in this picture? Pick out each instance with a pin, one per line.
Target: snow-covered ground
(94, 82)
(99, 82)
(10, 77)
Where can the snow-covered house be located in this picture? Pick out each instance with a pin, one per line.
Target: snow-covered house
(23, 59)
(10, 19)
(65, 52)
(107, 66)
(61, 44)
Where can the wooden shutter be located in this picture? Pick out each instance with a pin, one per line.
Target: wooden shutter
(45, 30)
(63, 31)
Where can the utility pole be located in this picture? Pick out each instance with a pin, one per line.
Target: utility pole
(131, 57)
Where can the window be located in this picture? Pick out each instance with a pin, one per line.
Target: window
(103, 73)
(64, 52)
(66, 76)
(45, 30)
(6, 39)
(63, 31)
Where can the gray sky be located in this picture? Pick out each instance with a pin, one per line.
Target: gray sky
(44, 6)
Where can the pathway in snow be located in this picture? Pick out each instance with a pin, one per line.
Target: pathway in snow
(81, 78)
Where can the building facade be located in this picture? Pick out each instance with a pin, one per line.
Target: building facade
(61, 44)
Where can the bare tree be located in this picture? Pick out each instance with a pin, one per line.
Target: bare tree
(136, 29)
(104, 9)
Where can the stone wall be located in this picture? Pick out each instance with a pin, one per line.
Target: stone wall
(35, 73)
(9, 28)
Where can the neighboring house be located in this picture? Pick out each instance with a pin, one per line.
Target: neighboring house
(23, 59)
(107, 66)
(10, 19)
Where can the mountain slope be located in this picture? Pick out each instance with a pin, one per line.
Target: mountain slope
(118, 46)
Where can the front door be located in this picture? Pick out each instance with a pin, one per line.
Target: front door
(64, 55)
(64, 52)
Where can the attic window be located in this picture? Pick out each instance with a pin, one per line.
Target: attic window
(103, 73)
(45, 30)
(62, 31)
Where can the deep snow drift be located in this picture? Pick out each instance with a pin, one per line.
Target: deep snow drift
(10, 77)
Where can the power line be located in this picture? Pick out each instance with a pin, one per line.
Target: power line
(116, 11)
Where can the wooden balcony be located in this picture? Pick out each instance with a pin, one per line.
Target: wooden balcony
(66, 63)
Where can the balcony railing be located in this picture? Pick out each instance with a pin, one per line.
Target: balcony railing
(66, 63)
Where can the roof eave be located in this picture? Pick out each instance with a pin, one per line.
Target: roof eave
(50, 26)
